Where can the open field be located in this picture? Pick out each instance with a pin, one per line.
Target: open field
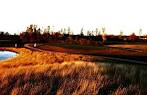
(74, 46)
(108, 51)
(142, 47)
(99, 50)
(50, 73)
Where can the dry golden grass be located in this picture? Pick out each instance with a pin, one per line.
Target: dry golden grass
(49, 73)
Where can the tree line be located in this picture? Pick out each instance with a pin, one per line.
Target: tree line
(34, 34)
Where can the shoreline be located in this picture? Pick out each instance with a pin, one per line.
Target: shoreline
(91, 58)
(8, 49)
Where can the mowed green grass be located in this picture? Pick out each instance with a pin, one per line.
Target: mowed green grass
(83, 47)
(122, 50)
(142, 47)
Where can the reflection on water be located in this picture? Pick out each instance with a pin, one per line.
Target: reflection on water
(6, 54)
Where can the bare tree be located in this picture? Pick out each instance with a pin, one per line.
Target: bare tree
(140, 32)
(104, 35)
(48, 29)
(121, 34)
(96, 31)
(69, 30)
(82, 34)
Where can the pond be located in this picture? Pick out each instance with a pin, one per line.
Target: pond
(6, 54)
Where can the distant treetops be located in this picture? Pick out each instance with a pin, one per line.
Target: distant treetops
(35, 34)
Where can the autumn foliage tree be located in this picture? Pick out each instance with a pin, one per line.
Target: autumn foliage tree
(24, 36)
(132, 37)
(45, 36)
(32, 34)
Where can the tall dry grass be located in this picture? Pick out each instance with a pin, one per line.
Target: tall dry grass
(41, 73)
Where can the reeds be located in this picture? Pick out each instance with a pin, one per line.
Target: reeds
(33, 73)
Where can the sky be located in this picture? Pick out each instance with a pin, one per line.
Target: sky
(115, 15)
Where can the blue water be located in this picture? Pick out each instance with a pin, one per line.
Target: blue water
(6, 54)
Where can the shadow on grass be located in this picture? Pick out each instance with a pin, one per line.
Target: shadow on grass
(76, 79)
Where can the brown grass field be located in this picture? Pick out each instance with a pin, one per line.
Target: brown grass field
(50, 73)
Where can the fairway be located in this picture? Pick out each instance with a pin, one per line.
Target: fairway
(74, 46)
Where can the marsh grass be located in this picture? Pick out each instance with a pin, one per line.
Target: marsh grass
(33, 73)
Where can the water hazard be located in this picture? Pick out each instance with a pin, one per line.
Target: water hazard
(6, 54)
